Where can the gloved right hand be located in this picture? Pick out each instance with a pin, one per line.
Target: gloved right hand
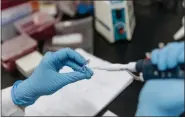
(164, 97)
(46, 80)
(168, 57)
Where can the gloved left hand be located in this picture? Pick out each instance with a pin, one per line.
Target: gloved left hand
(46, 80)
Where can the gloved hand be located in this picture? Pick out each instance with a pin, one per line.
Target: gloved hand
(46, 80)
(163, 97)
(169, 56)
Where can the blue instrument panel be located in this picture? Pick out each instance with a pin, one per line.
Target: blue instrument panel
(118, 18)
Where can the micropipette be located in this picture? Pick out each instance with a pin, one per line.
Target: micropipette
(148, 70)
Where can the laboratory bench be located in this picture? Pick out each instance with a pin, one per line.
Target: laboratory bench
(151, 28)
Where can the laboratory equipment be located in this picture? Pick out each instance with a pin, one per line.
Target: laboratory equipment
(75, 7)
(9, 3)
(148, 70)
(15, 48)
(39, 26)
(48, 7)
(68, 39)
(82, 28)
(115, 20)
(13, 11)
(27, 64)
(180, 33)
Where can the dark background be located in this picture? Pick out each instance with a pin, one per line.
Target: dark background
(154, 24)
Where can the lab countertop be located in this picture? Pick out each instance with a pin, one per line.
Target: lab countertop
(149, 31)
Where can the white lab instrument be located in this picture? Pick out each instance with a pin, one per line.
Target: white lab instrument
(180, 33)
(115, 20)
(85, 97)
(28, 63)
(68, 39)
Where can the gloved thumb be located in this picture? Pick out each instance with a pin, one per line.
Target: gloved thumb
(72, 77)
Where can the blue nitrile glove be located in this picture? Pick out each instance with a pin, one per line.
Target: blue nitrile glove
(164, 97)
(161, 98)
(169, 56)
(46, 80)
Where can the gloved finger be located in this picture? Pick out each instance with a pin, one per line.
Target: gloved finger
(181, 54)
(161, 98)
(67, 53)
(46, 57)
(174, 52)
(163, 55)
(48, 54)
(88, 72)
(154, 56)
(181, 57)
(74, 66)
(72, 77)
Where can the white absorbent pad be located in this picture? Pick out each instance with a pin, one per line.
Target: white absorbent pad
(85, 97)
(28, 63)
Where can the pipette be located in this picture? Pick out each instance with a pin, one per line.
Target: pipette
(148, 70)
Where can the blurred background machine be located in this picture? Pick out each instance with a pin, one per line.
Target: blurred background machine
(39, 26)
(13, 10)
(16, 48)
(115, 20)
(72, 33)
